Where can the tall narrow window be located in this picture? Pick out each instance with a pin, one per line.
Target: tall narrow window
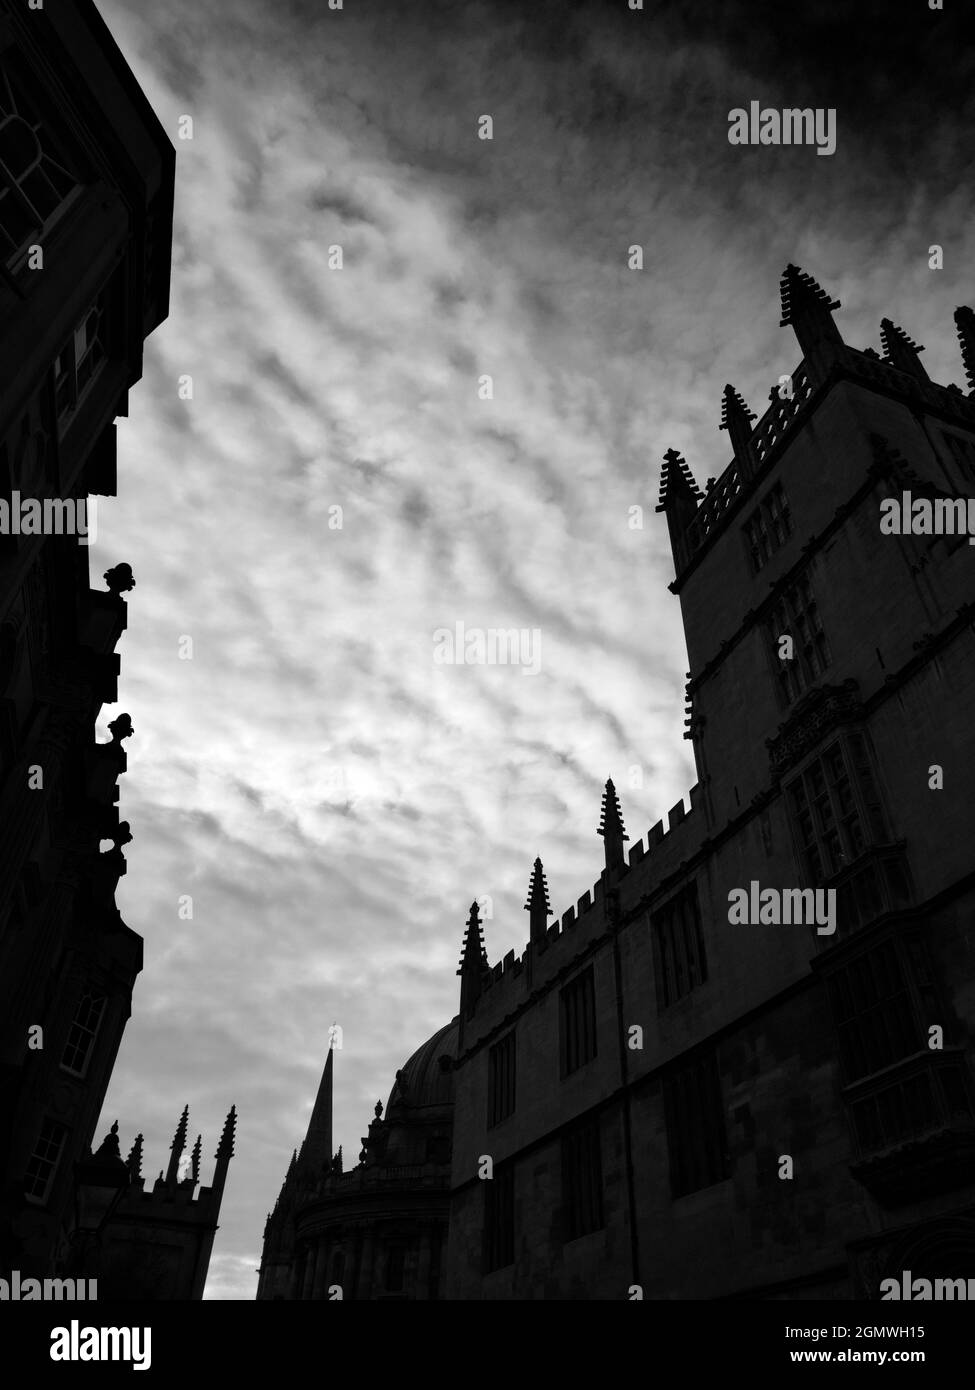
(582, 1181)
(696, 1136)
(501, 1080)
(36, 174)
(963, 452)
(82, 1033)
(395, 1265)
(835, 808)
(499, 1218)
(43, 1162)
(769, 527)
(577, 1023)
(678, 946)
(779, 516)
(895, 1087)
(796, 615)
(874, 1012)
(79, 362)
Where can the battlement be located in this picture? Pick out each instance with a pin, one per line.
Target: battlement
(696, 518)
(680, 818)
(196, 1201)
(666, 845)
(170, 1191)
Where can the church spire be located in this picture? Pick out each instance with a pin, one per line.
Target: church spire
(965, 323)
(736, 418)
(538, 905)
(178, 1145)
(473, 962)
(900, 350)
(317, 1148)
(611, 827)
(809, 310)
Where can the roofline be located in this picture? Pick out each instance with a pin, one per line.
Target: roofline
(89, 14)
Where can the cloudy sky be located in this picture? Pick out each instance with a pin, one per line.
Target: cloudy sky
(331, 797)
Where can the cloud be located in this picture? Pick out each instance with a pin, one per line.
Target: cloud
(330, 798)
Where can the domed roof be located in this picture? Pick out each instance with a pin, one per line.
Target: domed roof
(423, 1080)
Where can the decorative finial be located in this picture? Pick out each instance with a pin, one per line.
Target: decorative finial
(611, 827)
(733, 408)
(965, 323)
(900, 350)
(538, 906)
(179, 1138)
(134, 1160)
(611, 817)
(225, 1149)
(677, 482)
(473, 952)
(800, 291)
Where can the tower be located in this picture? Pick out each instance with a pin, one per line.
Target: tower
(643, 1081)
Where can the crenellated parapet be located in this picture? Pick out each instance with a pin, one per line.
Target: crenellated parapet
(695, 517)
(174, 1214)
(628, 882)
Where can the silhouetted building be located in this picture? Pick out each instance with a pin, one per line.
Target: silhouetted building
(676, 1092)
(377, 1231)
(86, 200)
(693, 1084)
(155, 1243)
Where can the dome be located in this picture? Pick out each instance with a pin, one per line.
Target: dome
(422, 1081)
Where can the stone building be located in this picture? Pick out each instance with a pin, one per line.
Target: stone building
(86, 206)
(709, 1109)
(664, 1096)
(379, 1229)
(155, 1244)
(86, 199)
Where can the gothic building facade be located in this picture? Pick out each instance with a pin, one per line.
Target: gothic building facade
(86, 201)
(155, 1244)
(377, 1230)
(670, 1095)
